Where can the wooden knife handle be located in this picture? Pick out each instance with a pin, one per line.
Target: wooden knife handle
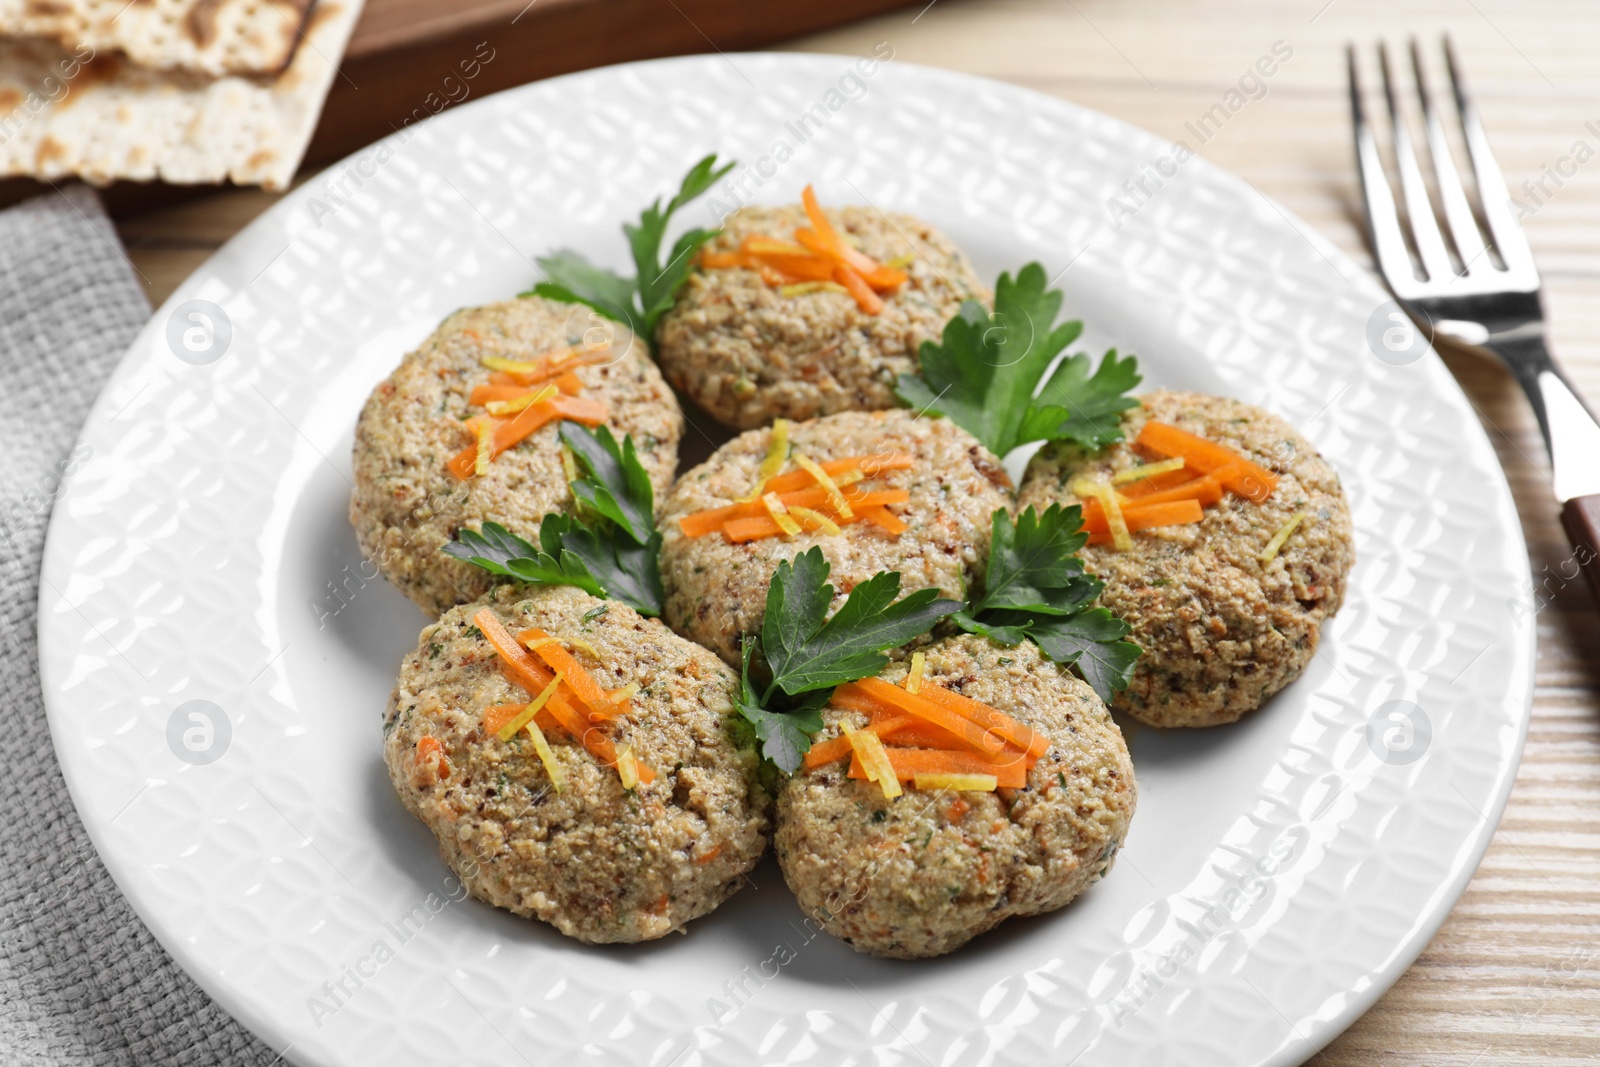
(1581, 517)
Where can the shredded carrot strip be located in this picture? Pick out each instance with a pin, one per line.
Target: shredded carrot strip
(779, 514)
(868, 465)
(502, 408)
(758, 245)
(832, 244)
(1175, 513)
(772, 463)
(569, 383)
(547, 365)
(1157, 483)
(919, 664)
(871, 754)
(547, 756)
(1254, 482)
(970, 783)
(911, 731)
(482, 394)
(866, 299)
(701, 523)
(799, 265)
(483, 450)
(907, 763)
(1205, 490)
(709, 854)
(972, 736)
(1030, 741)
(582, 683)
(1098, 489)
(757, 527)
(882, 517)
(534, 677)
(1147, 471)
(836, 498)
(515, 660)
(529, 710)
(814, 520)
(1270, 553)
(511, 432)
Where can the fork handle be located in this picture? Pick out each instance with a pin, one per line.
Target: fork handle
(1581, 517)
(1573, 435)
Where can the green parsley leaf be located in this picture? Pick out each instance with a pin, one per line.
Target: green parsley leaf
(785, 736)
(640, 301)
(805, 653)
(1075, 405)
(1092, 642)
(616, 555)
(620, 486)
(1035, 589)
(1033, 562)
(624, 570)
(985, 370)
(501, 552)
(572, 279)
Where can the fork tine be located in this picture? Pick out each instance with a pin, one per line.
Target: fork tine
(1419, 209)
(1383, 221)
(1457, 212)
(1492, 193)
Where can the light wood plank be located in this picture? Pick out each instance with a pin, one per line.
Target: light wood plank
(1513, 977)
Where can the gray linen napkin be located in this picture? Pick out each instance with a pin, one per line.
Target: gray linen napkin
(81, 979)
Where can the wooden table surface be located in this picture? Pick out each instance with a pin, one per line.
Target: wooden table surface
(1514, 974)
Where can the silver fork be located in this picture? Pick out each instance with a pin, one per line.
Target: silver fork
(1470, 298)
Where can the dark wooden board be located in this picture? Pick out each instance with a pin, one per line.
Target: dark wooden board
(403, 51)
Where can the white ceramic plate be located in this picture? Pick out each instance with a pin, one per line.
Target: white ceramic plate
(1280, 873)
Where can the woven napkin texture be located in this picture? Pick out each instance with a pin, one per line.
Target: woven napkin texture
(82, 981)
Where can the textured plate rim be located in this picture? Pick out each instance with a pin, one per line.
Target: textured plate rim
(236, 1000)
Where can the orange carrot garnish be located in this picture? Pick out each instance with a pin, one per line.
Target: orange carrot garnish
(830, 243)
(509, 432)
(883, 518)
(1030, 741)
(1175, 513)
(866, 299)
(1010, 770)
(584, 687)
(515, 660)
(701, 523)
(533, 676)
(868, 465)
(1253, 481)
(989, 732)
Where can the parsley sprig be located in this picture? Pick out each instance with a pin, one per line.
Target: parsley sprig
(1035, 588)
(640, 301)
(612, 551)
(986, 370)
(802, 654)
